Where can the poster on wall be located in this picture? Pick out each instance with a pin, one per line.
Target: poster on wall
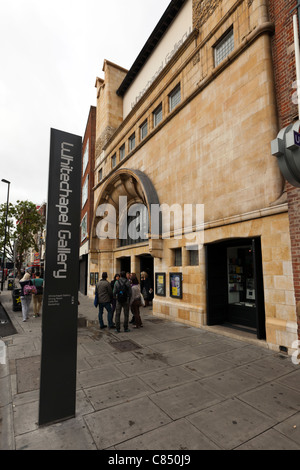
(176, 285)
(160, 284)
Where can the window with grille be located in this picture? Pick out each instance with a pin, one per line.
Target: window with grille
(224, 47)
(174, 97)
(177, 257)
(131, 142)
(144, 130)
(157, 116)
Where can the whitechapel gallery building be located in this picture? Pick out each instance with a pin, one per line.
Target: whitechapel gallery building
(186, 187)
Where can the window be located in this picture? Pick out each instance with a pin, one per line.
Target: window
(157, 116)
(114, 161)
(174, 97)
(85, 191)
(122, 152)
(177, 257)
(100, 175)
(193, 256)
(131, 142)
(85, 157)
(144, 130)
(224, 47)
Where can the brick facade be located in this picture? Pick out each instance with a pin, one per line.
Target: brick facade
(285, 75)
(89, 138)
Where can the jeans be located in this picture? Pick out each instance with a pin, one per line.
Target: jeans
(107, 306)
(25, 302)
(119, 306)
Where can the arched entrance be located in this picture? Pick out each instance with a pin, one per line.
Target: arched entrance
(122, 228)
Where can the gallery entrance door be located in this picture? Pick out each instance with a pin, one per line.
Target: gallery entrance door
(235, 293)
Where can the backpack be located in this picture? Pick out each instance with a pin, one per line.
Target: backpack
(39, 289)
(122, 292)
(29, 289)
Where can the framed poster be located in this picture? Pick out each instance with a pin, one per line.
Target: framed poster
(176, 285)
(160, 284)
(92, 279)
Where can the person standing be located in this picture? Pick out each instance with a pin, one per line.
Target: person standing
(135, 303)
(25, 299)
(104, 298)
(38, 282)
(114, 302)
(122, 292)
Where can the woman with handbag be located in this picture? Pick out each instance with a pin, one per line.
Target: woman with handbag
(135, 302)
(25, 299)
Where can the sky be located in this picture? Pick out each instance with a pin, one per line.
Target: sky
(51, 52)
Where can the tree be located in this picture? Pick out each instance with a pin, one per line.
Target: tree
(10, 228)
(24, 222)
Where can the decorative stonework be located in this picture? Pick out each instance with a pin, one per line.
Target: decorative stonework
(202, 10)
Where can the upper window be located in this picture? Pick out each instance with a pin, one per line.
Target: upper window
(100, 175)
(224, 47)
(157, 116)
(114, 160)
(144, 130)
(131, 142)
(174, 97)
(122, 152)
(85, 158)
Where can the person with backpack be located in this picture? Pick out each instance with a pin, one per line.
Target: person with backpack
(122, 293)
(104, 291)
(38, 282)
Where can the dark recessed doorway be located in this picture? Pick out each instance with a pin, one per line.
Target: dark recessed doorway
(235, 291)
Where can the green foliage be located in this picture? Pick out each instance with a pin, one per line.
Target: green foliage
(23, 223)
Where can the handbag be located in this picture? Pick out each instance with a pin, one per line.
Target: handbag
(142, 300)
(96, 302)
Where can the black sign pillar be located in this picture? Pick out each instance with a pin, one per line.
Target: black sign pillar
(60, 302)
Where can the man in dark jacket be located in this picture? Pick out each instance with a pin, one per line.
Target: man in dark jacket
(104, 299)
(122, 293)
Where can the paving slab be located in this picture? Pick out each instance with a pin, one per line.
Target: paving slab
(107, 395)
(178, 436)
(270, 440)
(231, 383)
(68, 435)
(291, 428)
(92, 377)
(231, 423)
(122, 422)
(274, 400)
(168, 378)
(185, 399)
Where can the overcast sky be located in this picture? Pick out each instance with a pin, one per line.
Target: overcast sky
(51, 52)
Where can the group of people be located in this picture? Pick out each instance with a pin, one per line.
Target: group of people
(123, 293)
(31, 294)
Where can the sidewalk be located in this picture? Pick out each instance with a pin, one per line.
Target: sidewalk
(165, 386)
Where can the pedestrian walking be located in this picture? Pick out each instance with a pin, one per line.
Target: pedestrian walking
(114, 301)
(135, 302)
(37, 298)
(122, 292)
(105, 293)
(25, 299)
(131, 279)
